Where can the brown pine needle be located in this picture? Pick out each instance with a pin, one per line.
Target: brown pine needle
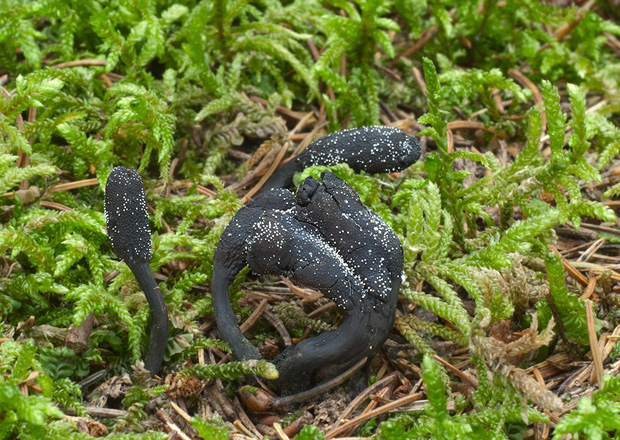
(256, 314)
(74, 185)
(267, 175)
(596, 354)
(573, 272)
(79, 63)
(458, 373)
(377, 412)
(589, 290)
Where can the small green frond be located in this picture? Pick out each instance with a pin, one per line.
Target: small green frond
(571, 309)
(435, 390)
(216, 106)
(595, 417)
(463, 277)
(76, 248)
(212, 429)
(588, 208)
(23, 364)
(12, 176)
(458, 316)
(233, 370)
(15, 139)
(612, 149)
(530, 150)
(612, 191)
(556, 120)
(442, 287)
(432, 328)
(578, 140)
(29, 92)
(412, 336)
(584, 171)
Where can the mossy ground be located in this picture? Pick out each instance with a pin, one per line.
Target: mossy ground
(508, 321)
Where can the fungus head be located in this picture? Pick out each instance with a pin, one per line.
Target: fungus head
(126, 215)
(371, 149)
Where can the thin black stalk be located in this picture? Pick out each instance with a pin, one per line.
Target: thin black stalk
(159, 316)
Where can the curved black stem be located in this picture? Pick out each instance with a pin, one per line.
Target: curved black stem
(322, 357)
(159, 316)
(299, 366)
(365, 327)
(224, 273)
(230, 258)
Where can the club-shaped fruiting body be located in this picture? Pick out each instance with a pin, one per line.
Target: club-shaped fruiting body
(128, 228)
(324, 238)
(371, 149)
(126, 215)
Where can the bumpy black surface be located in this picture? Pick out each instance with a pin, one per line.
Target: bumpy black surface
(126, 215)
(370, 149)
(128, 228)
(324, 238)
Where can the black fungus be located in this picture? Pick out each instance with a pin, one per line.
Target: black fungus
(126, 215)
(128, 228)
(370, 149)
(324, 238)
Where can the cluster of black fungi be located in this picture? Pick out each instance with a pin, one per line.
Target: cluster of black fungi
(322, 237)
